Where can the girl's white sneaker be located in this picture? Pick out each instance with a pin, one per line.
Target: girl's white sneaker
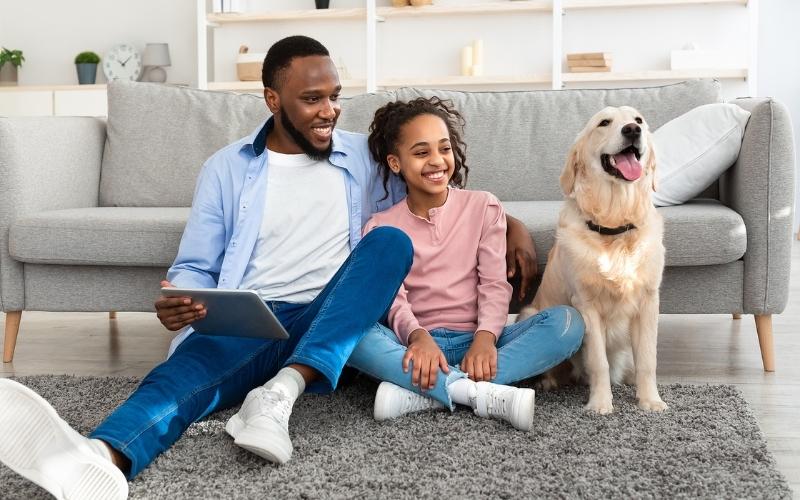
(515, 405)
(392, 401)
(39, 446)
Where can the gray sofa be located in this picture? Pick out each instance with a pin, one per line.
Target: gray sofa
(92, 211)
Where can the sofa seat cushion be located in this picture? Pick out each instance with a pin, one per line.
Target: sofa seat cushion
(697, 233)
(103, 236)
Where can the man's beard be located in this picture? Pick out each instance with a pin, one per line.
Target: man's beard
(305, 144)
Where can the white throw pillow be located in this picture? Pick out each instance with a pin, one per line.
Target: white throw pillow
(694, 149)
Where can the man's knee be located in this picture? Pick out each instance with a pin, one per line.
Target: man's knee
(392, 244)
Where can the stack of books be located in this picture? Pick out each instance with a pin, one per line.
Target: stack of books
(589, 62)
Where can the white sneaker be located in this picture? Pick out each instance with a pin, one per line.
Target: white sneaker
(392, 401)
(512, 404)
(39, 446)
(262, 425)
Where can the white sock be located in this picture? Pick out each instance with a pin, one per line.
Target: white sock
(101, 449)
(288, 382)
(461, 390)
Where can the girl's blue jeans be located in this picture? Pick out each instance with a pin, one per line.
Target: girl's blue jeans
(524, 350)
(209, 373)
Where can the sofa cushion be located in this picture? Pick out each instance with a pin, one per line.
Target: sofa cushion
(698, 233)
(159, 136)
(517, 142)
(99, 236)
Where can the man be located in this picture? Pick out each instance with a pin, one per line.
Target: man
(279, 211)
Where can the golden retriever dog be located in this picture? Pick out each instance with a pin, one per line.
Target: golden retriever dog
(608, 258)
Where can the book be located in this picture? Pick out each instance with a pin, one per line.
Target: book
(589, 69)
(588, 55)
(589, 62)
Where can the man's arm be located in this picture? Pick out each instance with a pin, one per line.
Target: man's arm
(202, 245)
(520, 255)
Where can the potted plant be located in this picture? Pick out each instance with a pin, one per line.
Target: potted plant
(86, 63)
(8, 72)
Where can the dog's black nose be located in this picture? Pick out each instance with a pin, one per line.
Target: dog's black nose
(632, 131)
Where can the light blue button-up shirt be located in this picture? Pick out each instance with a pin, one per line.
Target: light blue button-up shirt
(228, 207)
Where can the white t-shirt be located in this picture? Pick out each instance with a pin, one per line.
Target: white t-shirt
(304, 235)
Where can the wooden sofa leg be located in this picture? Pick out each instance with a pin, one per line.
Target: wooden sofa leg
(765, 341)
(737, 316)
(12, 329)
(112, 315)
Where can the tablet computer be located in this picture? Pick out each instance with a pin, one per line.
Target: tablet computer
(232, 313)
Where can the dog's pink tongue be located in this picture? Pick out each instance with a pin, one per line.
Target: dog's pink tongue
(628, 165)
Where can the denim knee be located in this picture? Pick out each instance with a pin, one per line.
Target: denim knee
(393, 247)
(572, 328)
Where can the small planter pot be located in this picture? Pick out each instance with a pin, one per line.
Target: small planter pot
(323, 4)
(87, 73)
(8, 75)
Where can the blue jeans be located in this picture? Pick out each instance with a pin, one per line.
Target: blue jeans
(210, 373)
(524, 350)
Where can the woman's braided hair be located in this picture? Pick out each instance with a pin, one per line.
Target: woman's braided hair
(389, 119)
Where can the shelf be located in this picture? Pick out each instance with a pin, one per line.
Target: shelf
(485, 8)
(287, 15)
(257, 86)
(463, 81)
(594, 4)
(654, 75)
(50, 88)
(382, 12)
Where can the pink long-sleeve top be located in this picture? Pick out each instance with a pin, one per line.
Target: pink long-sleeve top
(458, 278)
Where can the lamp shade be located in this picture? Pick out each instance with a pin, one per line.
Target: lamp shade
(156, 54)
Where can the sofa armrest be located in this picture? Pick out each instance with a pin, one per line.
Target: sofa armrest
(46, 163)
(760, 187)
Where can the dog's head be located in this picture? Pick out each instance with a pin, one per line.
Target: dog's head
(615, 147)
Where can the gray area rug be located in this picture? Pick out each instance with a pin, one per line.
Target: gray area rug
(706, 445)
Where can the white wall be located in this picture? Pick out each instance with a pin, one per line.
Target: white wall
(779, 64)
(52, 32)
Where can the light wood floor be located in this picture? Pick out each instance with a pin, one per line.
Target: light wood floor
(695, 349)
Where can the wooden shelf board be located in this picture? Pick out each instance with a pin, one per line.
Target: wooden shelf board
(257, 86)
(594, 4)
(463, 81)
(287, 15)
(485, 8)
(654, 75)
(49, 88)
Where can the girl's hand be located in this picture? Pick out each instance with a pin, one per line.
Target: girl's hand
(480, 362)
(520, 255)
(428, 358)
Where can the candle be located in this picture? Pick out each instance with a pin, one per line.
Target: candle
(477, 53)
(466, 61)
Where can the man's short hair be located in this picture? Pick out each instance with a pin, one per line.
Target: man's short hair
(280, 56)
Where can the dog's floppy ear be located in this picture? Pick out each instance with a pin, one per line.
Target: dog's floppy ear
(571, 166)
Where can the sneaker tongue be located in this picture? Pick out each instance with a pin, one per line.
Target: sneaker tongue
(628, 165)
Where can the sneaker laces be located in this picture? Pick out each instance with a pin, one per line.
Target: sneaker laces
(415, 402)
(273, 405)
(497, 403)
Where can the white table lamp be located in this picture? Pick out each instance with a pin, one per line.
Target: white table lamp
(156, 56)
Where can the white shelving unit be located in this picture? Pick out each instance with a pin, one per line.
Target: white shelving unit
(556, 9)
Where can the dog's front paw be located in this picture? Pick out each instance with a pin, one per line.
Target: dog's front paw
(546, 382)
(652, 405)
(599, 406)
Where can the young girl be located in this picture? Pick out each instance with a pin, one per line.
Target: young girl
(450, 338)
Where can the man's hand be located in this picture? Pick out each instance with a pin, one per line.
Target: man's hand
(177, 312)
(428, 358)
(520, 255)
(480, 362)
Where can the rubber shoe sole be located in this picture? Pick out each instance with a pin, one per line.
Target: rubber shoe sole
(269, 444)
(39, 446)
(522, 408)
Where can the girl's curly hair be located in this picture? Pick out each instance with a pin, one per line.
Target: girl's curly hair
(389, 119)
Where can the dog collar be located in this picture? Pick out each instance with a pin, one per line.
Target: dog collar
(609, 231)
